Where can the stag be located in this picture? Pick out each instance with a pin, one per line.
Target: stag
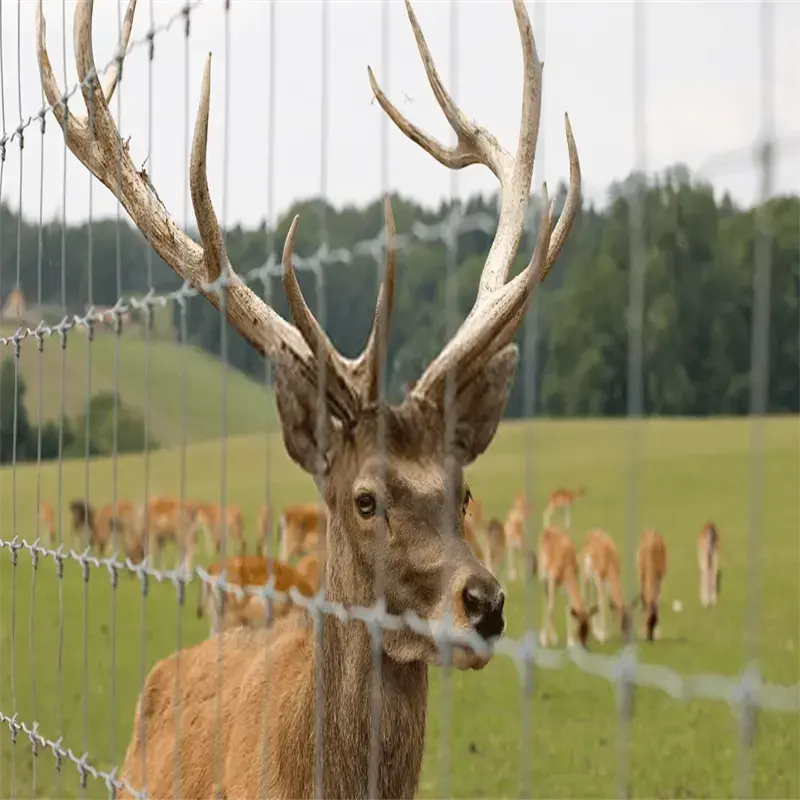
(391, 476)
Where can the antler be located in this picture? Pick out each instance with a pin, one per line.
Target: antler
(96, 143)
(499, 307)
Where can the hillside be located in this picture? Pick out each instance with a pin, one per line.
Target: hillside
(250, 408)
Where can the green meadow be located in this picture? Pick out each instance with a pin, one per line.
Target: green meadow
(73, 654)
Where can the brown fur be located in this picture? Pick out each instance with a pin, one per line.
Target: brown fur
(82, 515)
(250, 570)
(264, 529)
(310, 568)
(298, 529)
(708, 562)
(47, 517)
(514, 533)
(495, 545)
(427, 568)
(561, 500)
(217, 522)
(472, 524)
(651, 561)
(164, 520)
(558, 569)
(599, 563)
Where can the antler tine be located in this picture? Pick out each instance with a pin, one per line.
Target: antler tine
(499, 307)
(338, 384)
(101, 151)
(374, 355)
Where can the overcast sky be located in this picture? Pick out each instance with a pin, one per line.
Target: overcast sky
(703, 96)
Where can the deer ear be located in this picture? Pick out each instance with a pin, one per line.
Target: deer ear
(308, 428)
(480, 404)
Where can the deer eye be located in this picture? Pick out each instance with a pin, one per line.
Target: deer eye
(366, 505)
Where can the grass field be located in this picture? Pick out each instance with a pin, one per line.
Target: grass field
(247, 410)
(689, 471)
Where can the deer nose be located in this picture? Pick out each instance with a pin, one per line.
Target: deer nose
(483, 605)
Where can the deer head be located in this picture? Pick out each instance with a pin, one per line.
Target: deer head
(391, 476)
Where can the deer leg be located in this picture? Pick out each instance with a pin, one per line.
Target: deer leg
(511, 556)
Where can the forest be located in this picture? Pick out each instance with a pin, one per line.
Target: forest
(698, 253)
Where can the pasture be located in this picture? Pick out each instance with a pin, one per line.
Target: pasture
(142, 380)
(483, 739)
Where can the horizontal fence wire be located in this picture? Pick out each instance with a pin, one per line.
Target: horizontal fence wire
(747, 691)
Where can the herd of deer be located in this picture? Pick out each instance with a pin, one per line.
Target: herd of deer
(391, 476)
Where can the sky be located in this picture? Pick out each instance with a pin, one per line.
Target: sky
(710, 71)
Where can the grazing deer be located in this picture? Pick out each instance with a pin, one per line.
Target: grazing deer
(249, 611)
(495, 545)
(299, 529)
(392, 482)
(47, 517)
(472, 524)
(164, 520)
(514, 532)
(558, 569)
(708, 561)
(264, 529)
(561, 500)
(82, 514)
(651, 561)
(111, 518)
(600, 564)
(217, 522)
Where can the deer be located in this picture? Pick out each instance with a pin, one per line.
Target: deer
(495, 545)
(557, 567)
(82, 514)
(651, 562)
(299, 529)
(47, 517)
(472, 523)
(249, 611)
(561, 500)
(217, 522)
(708, 561)
(162, 520)
(111, 518)
(600, 564)
(391, 475)
(514, 532)
(264, 526)
(309, 568)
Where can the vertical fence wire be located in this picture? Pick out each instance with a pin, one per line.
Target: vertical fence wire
(269, 249)
(184, 405)
(382, 255)
(222, 517)
(322, 417)
(635, 399)
(529, 401)
(453, 224)
(2, 175)
(147, 309)
(49, 519)
(89, 520)
(62, 400)
(115, 410)
(15, 412)
(759, 389)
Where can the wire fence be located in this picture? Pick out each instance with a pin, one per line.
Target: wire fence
(746, 693)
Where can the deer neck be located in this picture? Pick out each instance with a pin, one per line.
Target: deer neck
(346, 660)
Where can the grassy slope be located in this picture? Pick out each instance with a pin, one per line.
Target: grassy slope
(249, 408)
(564, 743)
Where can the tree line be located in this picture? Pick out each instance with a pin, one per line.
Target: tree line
(696, 253)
